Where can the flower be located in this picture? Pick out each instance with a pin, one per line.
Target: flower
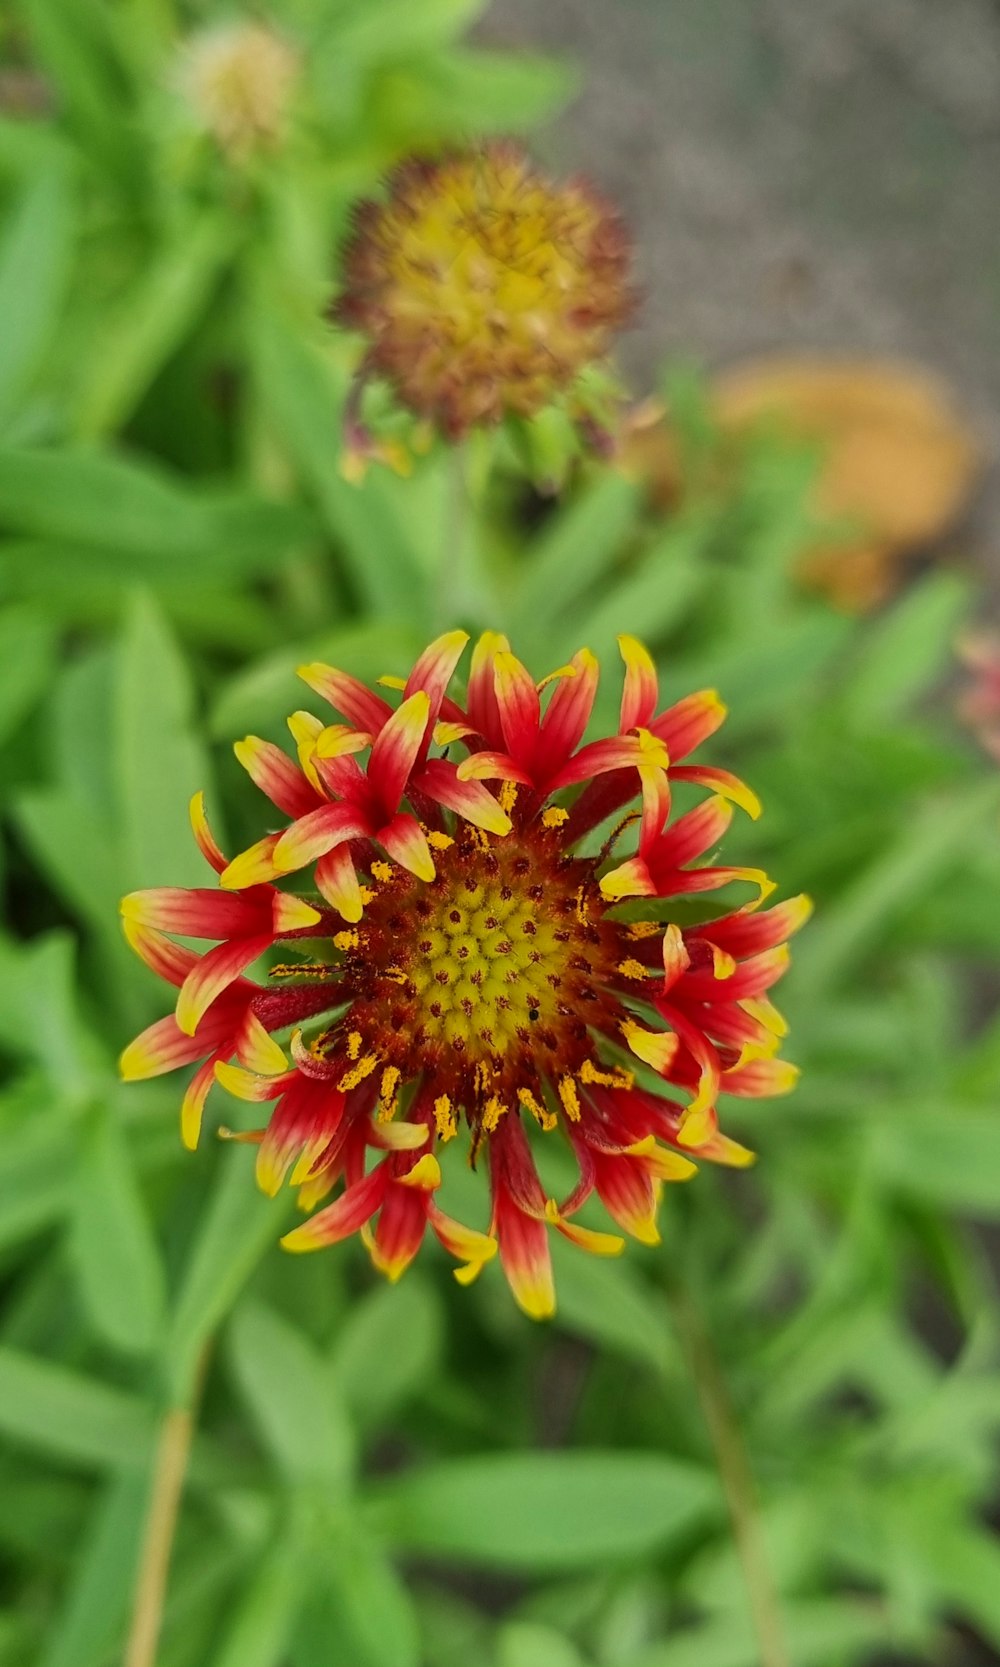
(238, 79)
(483, 288)
(979, 703)
(467, 959)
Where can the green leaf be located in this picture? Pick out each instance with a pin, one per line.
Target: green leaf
(70, 1416)
(927, 847)
(294, 1403)
(97, 499)
(581, 542)
(35, 257)
(28, 657)
(158, 312)
(908, 650)
(949, 1155)
(237, 1228)
(159, 763)
(259, 1632)
(114, 1250)
(371, 1615)
(103, 1574)
(297, 390)
(821, 1633)
(262, 695)
(526, 1644)
(539, 1512)
(388, 1348)
(39, 1018)
(608, 1303)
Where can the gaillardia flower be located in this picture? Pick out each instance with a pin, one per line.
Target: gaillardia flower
(238, 79)
(475, 959)
(484, 289)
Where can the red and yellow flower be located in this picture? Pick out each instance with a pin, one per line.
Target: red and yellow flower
(470, 955)
(483, 288)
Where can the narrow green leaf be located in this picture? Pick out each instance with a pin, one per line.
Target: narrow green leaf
(821, 1633)
(238, 1227)
(35, 256)
(159, 762)
(539, 1512)
(949, 1155)
(297, 389)
(28, 657)
(388, 1348)
(370, 1608)
(608, 1303)
(907, 651)
(114, 1250)
(72, 1417)
(527, 1644)
(103, 1574)
(928, 847)
(287, 1386)
(259, 1632)
(156, 316)
(580, 543)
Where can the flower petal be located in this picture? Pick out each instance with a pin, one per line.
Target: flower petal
(518, 704)
(404, 840)
(396, 750)
(339, 1220)
(640, 691)
(442, 782)
(337, 880)
(275, 774)
(359, 705)
(313, 835)
(212, 974)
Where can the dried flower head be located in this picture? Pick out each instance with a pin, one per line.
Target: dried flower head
(483, 288)
(463, 962)
(238, 79)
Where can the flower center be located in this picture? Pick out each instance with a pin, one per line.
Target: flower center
(489, 979)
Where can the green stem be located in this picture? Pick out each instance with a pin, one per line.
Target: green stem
(173, 1450)
(737, 1480)
(451, 575)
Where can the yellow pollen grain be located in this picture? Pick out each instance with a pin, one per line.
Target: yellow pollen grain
(492, 1113)
(358, 1073)
(395, 975)
(570, 1098)
(543, 1117)
(387, 1093)
(439, 841)
(444, 1117)
(382, 872)
(345, 940)
(616, 1077)
(637, 929)
(508, 796)
(354, 1044)
(632, 969)
(554, 817)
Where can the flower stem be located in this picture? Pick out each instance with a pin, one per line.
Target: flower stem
(173, 1450)
(451, 575)
(737, 1479)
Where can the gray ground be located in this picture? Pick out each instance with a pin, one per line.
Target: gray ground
(799, 173)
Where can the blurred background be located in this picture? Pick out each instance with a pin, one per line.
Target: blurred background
(771, 1441)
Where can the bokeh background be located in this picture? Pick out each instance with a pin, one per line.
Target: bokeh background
(772, 1440)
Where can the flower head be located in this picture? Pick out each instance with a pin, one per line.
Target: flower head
(238, 78)
(483, 288)
(466, 960)
(979, 704)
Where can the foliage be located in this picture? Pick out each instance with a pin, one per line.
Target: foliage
(415, 1475)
